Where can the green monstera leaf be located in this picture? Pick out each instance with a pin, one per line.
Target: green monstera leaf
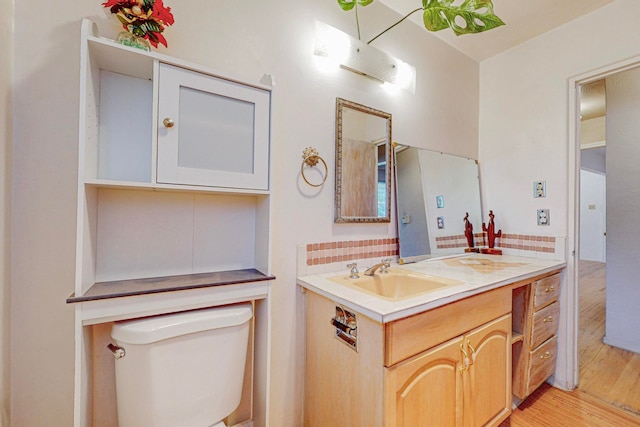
(477, 14)
(350, 4)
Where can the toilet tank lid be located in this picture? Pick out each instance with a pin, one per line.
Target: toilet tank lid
(158, 328)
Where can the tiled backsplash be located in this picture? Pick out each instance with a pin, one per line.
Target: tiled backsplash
(316, 258)
(325, 257)
(527, 242)
(456, 241)
(350, 250)
(523, 242)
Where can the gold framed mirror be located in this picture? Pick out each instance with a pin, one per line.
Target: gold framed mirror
(363, 163)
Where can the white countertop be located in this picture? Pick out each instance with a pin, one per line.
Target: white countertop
(478, 273)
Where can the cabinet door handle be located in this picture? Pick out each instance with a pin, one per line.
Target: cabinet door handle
(549, 289)
(545, 355)
(473, 352)
(547, 319)
(465, 359)
(168, 123)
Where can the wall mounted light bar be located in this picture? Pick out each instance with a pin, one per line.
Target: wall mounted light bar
(361, 58)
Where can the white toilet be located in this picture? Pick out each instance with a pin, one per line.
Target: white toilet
(184, 369)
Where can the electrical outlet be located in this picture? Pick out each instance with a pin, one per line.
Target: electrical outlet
(539, 189)
(543, 217)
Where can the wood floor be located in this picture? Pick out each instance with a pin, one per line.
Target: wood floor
(609, 390)
(606, 372)
(552, 407)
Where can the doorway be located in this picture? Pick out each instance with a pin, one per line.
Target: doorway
(603, 371)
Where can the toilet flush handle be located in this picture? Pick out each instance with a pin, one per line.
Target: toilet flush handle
(118, 352)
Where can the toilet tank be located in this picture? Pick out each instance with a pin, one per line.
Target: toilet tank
(184, 369)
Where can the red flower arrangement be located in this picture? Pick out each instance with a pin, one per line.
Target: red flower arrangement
(142, 18)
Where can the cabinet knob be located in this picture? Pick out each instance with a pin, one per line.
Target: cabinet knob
(547, 290)
(545, 355)
(168, 123)
(547, 319)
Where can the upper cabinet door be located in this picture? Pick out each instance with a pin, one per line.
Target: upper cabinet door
(211, 131)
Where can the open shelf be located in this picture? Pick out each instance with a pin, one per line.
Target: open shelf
(147, 186)
(516, 337)
(152, 285)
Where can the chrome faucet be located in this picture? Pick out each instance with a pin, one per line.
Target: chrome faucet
(353, 274)
(383, 266)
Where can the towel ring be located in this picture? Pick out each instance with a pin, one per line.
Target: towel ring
(310, 157)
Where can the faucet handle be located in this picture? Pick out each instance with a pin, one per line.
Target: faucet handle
(386, 263)
(354, 270)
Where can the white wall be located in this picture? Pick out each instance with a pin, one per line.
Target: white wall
(592, 216)
(524, 123)
(246, 40)
(6, 65)
(623, 205)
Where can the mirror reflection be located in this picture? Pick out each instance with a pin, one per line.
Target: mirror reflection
(434, 192)
(363, 153)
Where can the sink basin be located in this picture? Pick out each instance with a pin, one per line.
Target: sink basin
(396, 284)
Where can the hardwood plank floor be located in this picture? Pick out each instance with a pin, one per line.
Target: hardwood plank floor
(609, 390)
(606, 372)
(552, 407)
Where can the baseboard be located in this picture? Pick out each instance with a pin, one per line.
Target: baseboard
(619, 343)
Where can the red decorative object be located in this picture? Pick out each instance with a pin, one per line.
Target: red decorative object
(491, 236)
(146, 19)
(468, 230)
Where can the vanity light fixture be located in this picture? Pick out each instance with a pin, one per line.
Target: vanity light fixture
(361, 58)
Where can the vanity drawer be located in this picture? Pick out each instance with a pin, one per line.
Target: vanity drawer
(546, 290)
(543, 363)
(412, 335)
(545, 324)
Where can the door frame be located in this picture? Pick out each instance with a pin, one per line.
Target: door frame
(571, 306)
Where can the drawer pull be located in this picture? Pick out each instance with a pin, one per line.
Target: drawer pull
(547, 319)
(545, 355)
(549, 289)
(465, 359)
(473, 352)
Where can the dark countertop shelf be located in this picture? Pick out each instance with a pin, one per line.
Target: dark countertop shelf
(153, 285)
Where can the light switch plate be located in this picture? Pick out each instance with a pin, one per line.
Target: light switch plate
(539, 189)
(543, 217)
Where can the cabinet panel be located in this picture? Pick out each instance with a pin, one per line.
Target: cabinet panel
(546, 290)
(143, 234)
(410, 336)
(426, 390)
(343, 387)
(126, 118)
(489, 390)
(538, 318)
(218, 134)
(543, 364)
(545, 324)
(230, 221)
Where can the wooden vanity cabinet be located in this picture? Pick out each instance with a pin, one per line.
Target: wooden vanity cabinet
(447, 366)
(463, 382)
(535, 315)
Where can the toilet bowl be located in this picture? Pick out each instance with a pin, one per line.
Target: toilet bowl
(184, 369)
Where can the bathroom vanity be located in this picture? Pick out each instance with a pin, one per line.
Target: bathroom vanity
(450, 356)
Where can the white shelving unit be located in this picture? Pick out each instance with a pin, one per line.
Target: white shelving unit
(132, 228)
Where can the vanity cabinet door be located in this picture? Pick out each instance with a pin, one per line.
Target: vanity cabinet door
(211, 131)
(426, 390)
(488, 387)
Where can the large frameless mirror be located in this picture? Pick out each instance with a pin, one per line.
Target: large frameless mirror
(434, 194)
(363, 163)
